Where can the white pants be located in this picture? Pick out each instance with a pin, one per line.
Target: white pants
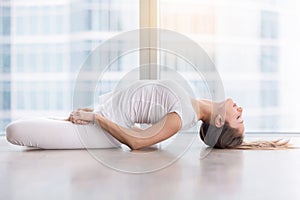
(48, 133)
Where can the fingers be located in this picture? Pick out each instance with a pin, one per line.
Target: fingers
(75, 118)
(81, 122)
(81, 117)
(85, 109)
(76, 113)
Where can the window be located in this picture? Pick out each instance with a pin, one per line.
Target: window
(254, 45)
(51, 41)
(269, 24)
(5, 20)
(5, 58)
(269, 59)
(5, 99)
(269, 96)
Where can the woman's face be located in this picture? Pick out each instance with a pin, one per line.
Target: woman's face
(234, 115)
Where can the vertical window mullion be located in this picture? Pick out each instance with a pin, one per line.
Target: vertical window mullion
(148, 38)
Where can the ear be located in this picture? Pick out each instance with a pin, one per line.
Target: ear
(219, 121)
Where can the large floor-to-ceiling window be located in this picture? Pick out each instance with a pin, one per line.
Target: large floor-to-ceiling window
(254, 45)
(43, 45)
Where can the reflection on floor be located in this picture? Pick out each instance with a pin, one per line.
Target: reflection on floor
(150, 174)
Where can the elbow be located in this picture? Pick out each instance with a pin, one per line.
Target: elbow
(135, 145)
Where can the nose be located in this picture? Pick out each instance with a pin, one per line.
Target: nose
(240, 109)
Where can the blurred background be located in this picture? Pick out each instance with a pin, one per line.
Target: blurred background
(253, 43)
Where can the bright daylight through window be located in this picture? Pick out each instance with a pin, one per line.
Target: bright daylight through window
(254, 45)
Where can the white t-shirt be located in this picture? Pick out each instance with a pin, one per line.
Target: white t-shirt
(148, 101)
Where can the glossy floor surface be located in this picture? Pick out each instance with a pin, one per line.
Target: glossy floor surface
(192, 173)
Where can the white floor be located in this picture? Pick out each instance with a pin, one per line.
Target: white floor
(81, 174)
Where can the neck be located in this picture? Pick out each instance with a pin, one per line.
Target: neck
(203, 108)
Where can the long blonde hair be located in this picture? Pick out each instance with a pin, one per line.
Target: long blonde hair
(227, 137)
(266, 145)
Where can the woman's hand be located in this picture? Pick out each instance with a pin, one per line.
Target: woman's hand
(82, 117)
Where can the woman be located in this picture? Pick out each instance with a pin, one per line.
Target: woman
(165, 105)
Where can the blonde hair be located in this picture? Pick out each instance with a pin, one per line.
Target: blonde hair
(266, 145)
(227, 137)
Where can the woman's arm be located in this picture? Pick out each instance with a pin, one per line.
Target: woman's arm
(135, 139)
(158, 132)
(135, 128)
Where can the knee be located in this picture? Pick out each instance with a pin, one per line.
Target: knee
(13, 131)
